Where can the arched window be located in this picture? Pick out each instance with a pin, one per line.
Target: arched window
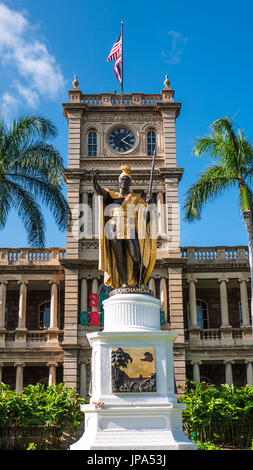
(44, 315)
(202, 314)
(151, 142)
(92, 143)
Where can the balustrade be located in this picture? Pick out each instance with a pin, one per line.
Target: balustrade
(112, 99)
(215, 254)
(22, 256)
(30, 337)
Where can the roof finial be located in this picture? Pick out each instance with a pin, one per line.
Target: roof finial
(166, 82)
(75, 83)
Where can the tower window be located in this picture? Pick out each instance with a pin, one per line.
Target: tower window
(92, 144)
(151, 142)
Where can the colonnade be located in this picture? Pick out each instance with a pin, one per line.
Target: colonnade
(225, 335)
(223, 301)
(22, 308)
(20, 373)
(228, 364)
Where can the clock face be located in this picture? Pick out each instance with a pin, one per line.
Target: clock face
(121, 140)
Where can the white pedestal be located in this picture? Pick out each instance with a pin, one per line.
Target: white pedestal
(150, 420)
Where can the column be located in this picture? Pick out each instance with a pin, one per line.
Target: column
(3, 285)
(19, 376)
(249, 373)
(161, 214)
(94, 289)
(22, 305)
(84, 295)
(244, 301)
(151, 285)
(192, 303)
(228, 372)
(224, 303)
(53, 332)
(87, 217)
(54, 304)
(95, 215)
(52, 373)
(196, 371)
(163, 297)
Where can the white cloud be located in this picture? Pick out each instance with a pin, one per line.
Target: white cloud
(29, 95)
(176, 48)
(9, 104)
(37, 74)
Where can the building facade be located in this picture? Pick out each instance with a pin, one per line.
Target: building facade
(50, 299)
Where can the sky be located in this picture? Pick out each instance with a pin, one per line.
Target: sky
(205, 48)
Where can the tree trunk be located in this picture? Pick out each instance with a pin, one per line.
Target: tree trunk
(249, 228)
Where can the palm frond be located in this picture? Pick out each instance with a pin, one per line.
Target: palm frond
(48, 194)
(5, 202)
(210, 184)
(29, 212)
(39, 157)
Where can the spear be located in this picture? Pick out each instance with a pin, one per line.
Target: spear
(145, 227)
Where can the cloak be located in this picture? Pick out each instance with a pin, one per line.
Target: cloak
(133, 205)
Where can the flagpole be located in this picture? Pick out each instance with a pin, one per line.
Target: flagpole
(145, 214)
(121, 85)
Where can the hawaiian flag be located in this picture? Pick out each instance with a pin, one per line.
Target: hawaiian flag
(116, 54)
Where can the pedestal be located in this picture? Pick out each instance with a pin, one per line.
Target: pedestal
(133, 405)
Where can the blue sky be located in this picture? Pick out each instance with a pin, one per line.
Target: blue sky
(204, 47)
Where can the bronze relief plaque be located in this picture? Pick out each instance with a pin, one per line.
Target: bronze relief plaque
(133, 370)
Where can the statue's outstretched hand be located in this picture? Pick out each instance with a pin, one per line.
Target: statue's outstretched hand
(94, 175)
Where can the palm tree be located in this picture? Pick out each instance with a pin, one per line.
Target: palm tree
(31, 173)
(232, 166)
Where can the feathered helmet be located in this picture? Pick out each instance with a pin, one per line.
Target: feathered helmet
(125, 172)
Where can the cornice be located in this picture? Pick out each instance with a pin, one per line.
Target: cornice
(85, 107)
(165, 172)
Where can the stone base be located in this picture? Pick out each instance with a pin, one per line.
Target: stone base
(133, 428)
(133, 403)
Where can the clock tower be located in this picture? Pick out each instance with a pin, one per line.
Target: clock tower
(107, 131)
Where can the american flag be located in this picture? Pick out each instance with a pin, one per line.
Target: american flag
(118, 69)
(116, 49)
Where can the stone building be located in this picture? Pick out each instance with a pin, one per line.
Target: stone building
(47, 301)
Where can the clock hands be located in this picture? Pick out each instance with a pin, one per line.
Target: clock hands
(123, 140)
(118, 140)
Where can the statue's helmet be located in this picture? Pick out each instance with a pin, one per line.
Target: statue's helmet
(125, 172)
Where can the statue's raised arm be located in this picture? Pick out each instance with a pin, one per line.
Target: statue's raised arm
(99, 190)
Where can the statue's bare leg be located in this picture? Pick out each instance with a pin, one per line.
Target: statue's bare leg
(134, 251)
(117, 246)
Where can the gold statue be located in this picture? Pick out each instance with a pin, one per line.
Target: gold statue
(127, 249)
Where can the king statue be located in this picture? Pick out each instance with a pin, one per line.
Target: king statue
(128, 241)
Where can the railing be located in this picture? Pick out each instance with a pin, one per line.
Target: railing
(30, 337)
(216, 336)
(36, 336)
(24, 256)
(219, 254)
(115, 99)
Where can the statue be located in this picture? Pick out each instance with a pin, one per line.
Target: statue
(125, 255)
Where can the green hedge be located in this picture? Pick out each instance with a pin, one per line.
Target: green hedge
(221, 415)
(39, 411)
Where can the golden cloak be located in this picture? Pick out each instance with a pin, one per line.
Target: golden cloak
(107, 259)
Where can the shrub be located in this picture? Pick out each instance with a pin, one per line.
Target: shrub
(49, 409)
(221, 415)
